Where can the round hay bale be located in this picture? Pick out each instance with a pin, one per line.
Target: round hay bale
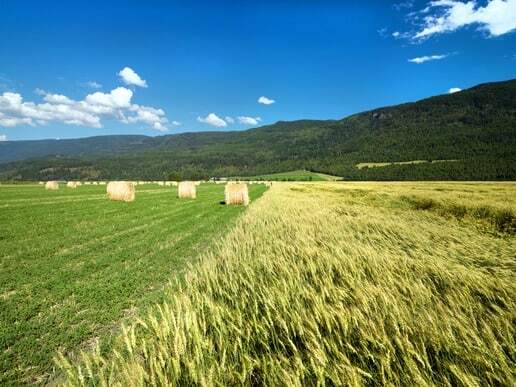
(121, 190)
(187, 190)
(72, 184)
(236, 193)
(52, 185)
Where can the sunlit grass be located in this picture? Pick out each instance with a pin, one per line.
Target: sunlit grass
(385, 164)
(335, 284)
(74, 264)
(299, 175)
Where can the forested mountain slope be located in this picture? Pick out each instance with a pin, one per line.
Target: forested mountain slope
(476, 128)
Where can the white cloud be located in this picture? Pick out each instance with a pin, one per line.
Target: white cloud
(498, 17)
(426, 58)
(229, 120)
(9, 122)
(249, 120)
(90, 111)
(130, 77)
(119, 97)
(148, 115)
(3, 137)
(213, 119)
(57, 99)
(265, 101)
(175, 123)
(454, 90)
(396, 34)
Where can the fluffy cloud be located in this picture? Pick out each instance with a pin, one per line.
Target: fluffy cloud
(8, 121)
(265, 101)
(498, 17)
(3, 137)
(130, 77)
(90, 111)
(148, 115)
(249, 120)
(454, 90)
(213, 119)
(57, 99)
(116, 98)
(229, 120)
(116, 105)
(426, 58)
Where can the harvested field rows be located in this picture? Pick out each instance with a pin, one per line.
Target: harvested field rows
(75, 264)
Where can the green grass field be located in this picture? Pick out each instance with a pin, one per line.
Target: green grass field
(376, 165)
(75, 265)
(337, 284)
(320, 283)
(299, 175)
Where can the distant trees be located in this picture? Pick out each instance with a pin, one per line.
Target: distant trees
(477, 127)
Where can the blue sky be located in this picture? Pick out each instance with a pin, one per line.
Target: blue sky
(190, 66)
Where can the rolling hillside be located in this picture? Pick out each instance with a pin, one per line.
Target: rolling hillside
(475, 128)
(298, 175)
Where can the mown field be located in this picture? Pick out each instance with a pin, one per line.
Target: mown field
(337, 284)
(376, 165)
(75, 265)
(298, 175)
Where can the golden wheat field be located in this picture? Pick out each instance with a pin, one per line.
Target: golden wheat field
(336, 284)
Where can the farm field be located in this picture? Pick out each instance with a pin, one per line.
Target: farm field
(74, 265)
(299, 175)
(337, 283)
(376, 165)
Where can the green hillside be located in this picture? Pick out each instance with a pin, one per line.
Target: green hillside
(299, 175)
(476, 128)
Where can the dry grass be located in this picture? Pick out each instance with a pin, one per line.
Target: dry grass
(236, 193)
(121, 190)
(52, 185)
(187, 190)
(385, 164)
(333, 284)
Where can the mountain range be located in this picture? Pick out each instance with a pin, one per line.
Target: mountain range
(472, 133)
